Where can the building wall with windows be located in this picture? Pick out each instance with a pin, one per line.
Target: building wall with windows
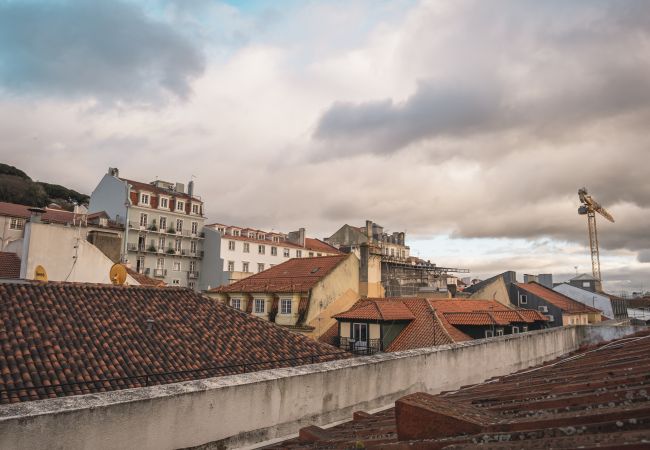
(12, 234)
(246, 251)
(164, 226)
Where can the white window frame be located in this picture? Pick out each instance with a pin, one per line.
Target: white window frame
(180, 205)
(192, 246)
(515, 330)
(194, 228)
(524, 328)
(260, 267)
(145, 199)
(274, 251)
(231, 266)
(176, 266)
(164, 200)
(285, 306)
(260, 305)
(523, 299)
(162, 220)
(192, 266)
(16, 223)
(160, 263)
(244, 266)
(231, 245)
(286, 253)
(179, 225)
(178, 245)
(144, 220)
(235, 303)
(261, 249)
(298, 253)
(499, 332)
(247, 247)
(489, 333)
(195, 208)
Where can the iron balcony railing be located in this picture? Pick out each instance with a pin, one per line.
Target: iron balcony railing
(193, 274)
(358, 347)
(159, 272)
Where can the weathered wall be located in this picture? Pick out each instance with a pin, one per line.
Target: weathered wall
(245, 409)
(496, 290)
(342, 279)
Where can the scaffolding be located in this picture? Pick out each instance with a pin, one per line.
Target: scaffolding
(401, 278)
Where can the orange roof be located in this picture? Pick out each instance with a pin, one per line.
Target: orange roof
(144, 280)
(51, 215)
(474, 318)
(294, 275)
(317, 245)
(378, 310)
(563, 302)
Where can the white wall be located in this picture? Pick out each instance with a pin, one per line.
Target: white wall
(587, 298)
(53, 247)
(245, 409)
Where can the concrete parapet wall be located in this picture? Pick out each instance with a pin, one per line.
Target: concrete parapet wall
(245, 409)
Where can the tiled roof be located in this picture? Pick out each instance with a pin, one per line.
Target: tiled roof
(138, 185)
(103, 337)
(317, 245)
(595, 398)
(144, 280)
(427, 330)
(256, 241)
(9, 265)
(51, 215)
(378, 310)
(474, 318)
(563, 302)
(294, 275)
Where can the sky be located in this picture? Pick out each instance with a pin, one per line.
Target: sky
(468, 124)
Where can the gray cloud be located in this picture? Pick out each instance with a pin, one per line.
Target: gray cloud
(107, 50)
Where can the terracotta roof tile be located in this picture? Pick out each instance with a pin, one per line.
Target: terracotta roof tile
(9, 265)
(378, 310)
(317, 245)
(144, 280)
(90, 335)
(294, 275)
(563, 302)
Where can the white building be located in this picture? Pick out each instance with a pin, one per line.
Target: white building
(164, 226)
(246, 251)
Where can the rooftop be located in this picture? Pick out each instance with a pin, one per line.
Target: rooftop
(59, 339)
(9, 265)
(150, 187)
(51, 215)
(595, 397)
(566, 304)
(294, 275)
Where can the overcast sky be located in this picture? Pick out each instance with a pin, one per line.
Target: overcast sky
(469, 124)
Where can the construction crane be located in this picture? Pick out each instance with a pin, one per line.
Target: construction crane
(589, 208)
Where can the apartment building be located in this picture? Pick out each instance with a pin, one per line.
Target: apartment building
(164, 226)
(391, 245)
(246, 251)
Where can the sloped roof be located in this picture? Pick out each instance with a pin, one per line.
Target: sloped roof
(384, 310)
(9, 265)
(144, 280)
(51, 215)
(317, 245)
(566, 304)
(138, 185)
(584, 277)
(294, 275)
(104, 337)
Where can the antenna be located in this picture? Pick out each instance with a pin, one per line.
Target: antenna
(117, 274)
(40, 274)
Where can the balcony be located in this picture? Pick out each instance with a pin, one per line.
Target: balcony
(132, 247)
(193, 275)
(159, 273)
(358, 347)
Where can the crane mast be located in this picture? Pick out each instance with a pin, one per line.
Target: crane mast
(590, 207)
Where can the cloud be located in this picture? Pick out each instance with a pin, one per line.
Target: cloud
(99, 49)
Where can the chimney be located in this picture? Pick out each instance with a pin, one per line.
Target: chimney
(402, 238)
(190, 188)
(301, 234)
(369, 230)
(180, 187)
(37, 214)
(114, 171)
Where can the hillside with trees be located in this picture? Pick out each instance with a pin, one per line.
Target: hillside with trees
(17, 187)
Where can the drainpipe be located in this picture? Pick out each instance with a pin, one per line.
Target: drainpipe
(126, 221)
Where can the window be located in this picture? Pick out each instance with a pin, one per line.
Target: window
(251, 235)
(164, 202)
(177, 245)
(139, 264)
(161, 243)
(274, 251)
(160, 263)
(285, 306)
(235, 303)
(195, 209)
(192, 266)
(515, 330)
(195, 227)
(523, 299)
(144, 199)
(244, 266)
(143, 219)
(16, 223)
(163, 224)
(235, 232)
(231, 266)
(260, 267)
(191, 285)
(247, 247)
(261, 249)
(500, 332)
(176, 282)
(489, 333)
(179, 225)
(586, 284)
(192, 246)
(298, 253)
(180, 206)
(259, 305)
(276, 239)
(285, 252)
(524, 328)
(360, 334)
(177, 266)
(261, 237)
(231, 245)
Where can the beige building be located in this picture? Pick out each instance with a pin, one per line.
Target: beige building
(302, 294)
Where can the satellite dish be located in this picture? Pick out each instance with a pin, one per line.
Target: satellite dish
(40, 274)
(117, 274)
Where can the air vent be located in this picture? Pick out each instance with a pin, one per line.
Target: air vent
(315, 269)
